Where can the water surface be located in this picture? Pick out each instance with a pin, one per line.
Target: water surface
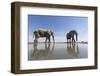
(51, 51)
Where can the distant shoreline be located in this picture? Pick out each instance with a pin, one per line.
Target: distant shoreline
(60, 42)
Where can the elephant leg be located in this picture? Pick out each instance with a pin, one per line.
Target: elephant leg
(73, 44)
(49, 39)
(46, 40)
(35, 46)
(36, 40)
(67, 40)
(73, 40)
(70, 40)
(35, 43)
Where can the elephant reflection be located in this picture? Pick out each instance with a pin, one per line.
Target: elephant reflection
(70, 36)
(43, 33)
(73, 49)
(42, 53)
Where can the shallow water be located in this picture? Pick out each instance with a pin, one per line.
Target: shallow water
(50, 51)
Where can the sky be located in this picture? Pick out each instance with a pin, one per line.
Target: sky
(60, 25)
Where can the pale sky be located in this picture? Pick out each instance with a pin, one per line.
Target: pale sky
(61, 25)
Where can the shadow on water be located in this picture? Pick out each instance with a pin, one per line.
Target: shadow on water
(72, 49)
(50, 51)
(39, 53)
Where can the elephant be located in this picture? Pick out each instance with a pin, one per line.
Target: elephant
(47, 33)
(70, 36)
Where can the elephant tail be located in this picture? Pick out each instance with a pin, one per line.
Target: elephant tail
(76, 37)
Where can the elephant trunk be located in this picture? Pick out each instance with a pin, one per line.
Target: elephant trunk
(33, 34)
(76, 37)
(53, 38)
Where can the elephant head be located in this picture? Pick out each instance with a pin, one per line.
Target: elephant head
(36, 34)
(74, 32)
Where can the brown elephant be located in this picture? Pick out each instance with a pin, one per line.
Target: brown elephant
(70, 36)
(43, 33)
